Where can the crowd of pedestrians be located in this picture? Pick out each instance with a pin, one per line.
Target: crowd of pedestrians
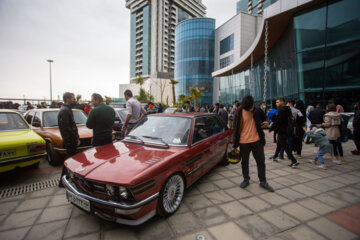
(291, 123)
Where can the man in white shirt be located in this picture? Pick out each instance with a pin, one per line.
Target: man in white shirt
(135, 110)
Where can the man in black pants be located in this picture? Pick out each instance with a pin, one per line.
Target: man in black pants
(281, 126)
(249, 134)
(68, 128)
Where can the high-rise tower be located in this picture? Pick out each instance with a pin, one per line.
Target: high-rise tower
(153, 22)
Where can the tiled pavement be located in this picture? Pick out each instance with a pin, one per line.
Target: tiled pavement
(308, 203)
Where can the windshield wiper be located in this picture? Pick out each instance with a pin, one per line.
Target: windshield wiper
(136, 137)
(157, 138)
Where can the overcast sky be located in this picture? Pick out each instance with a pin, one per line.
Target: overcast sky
(88, 40)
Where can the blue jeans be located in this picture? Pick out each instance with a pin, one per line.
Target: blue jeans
(319, 156)
(289, 141)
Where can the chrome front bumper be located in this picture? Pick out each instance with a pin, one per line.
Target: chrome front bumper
(126, 206)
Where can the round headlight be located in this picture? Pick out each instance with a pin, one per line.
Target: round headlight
(123, 192)
(110, 189)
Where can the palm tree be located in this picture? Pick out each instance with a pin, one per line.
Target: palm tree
(196, 94)
(182, 98)
(78, 97)
(173, 82)
(139, 80)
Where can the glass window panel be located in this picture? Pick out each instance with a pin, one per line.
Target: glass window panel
(310, 30)
(343, 22)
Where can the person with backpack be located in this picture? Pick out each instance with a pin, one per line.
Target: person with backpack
(332, 124)
(300, 124)
(284, 127)
(343, 129)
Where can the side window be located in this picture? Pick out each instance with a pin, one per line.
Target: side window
(201, 130)
(37, 118)
(215, 125)
(29, 117)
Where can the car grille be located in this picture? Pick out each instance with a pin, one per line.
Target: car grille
(84, 142)
(94, 188)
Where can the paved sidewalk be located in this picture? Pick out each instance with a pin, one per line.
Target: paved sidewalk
(308, 203)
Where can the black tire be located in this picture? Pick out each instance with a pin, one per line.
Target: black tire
(53, 157)
(173, 187)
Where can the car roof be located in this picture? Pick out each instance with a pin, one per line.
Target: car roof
(9, 110)
(188, 115)
(50, 109)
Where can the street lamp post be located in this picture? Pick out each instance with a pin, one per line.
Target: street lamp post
(50, 61)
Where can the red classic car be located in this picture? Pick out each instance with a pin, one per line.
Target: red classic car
(130, 181)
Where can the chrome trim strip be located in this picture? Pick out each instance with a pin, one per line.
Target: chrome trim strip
(23, 159)
(110, 203)
(78, 148)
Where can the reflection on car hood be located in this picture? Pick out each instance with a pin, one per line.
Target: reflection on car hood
(118, 163)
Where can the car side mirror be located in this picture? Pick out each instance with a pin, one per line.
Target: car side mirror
(36, 124)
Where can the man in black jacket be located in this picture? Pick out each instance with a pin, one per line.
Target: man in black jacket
(68, 128)
(356, 126)
(249, 134)
(280, 126)
(317, 115)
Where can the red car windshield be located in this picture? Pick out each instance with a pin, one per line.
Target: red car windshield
(166, 129)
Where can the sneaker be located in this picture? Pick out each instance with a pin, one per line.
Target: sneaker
(338, 162)
(312, 161)
(294, 165)
(299, 156)
(245, 183)
(274, 158)
(321, 166)
(266, 186)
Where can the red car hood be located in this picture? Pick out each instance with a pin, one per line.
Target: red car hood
(119, 163)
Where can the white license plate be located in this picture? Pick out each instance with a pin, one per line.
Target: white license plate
(7, 153)
(78, 201)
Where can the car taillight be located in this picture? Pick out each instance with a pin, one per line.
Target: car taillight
(37, 148)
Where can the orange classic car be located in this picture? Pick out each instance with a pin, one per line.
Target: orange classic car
(45, 123)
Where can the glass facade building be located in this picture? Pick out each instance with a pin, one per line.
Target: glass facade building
(194, 57)
(316, 60)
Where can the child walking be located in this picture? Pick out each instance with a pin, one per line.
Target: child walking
(318, 135)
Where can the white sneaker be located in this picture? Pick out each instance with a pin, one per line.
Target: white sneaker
(338, 162)
(321, 166)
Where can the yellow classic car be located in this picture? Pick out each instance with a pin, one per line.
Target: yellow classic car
(20, 146)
